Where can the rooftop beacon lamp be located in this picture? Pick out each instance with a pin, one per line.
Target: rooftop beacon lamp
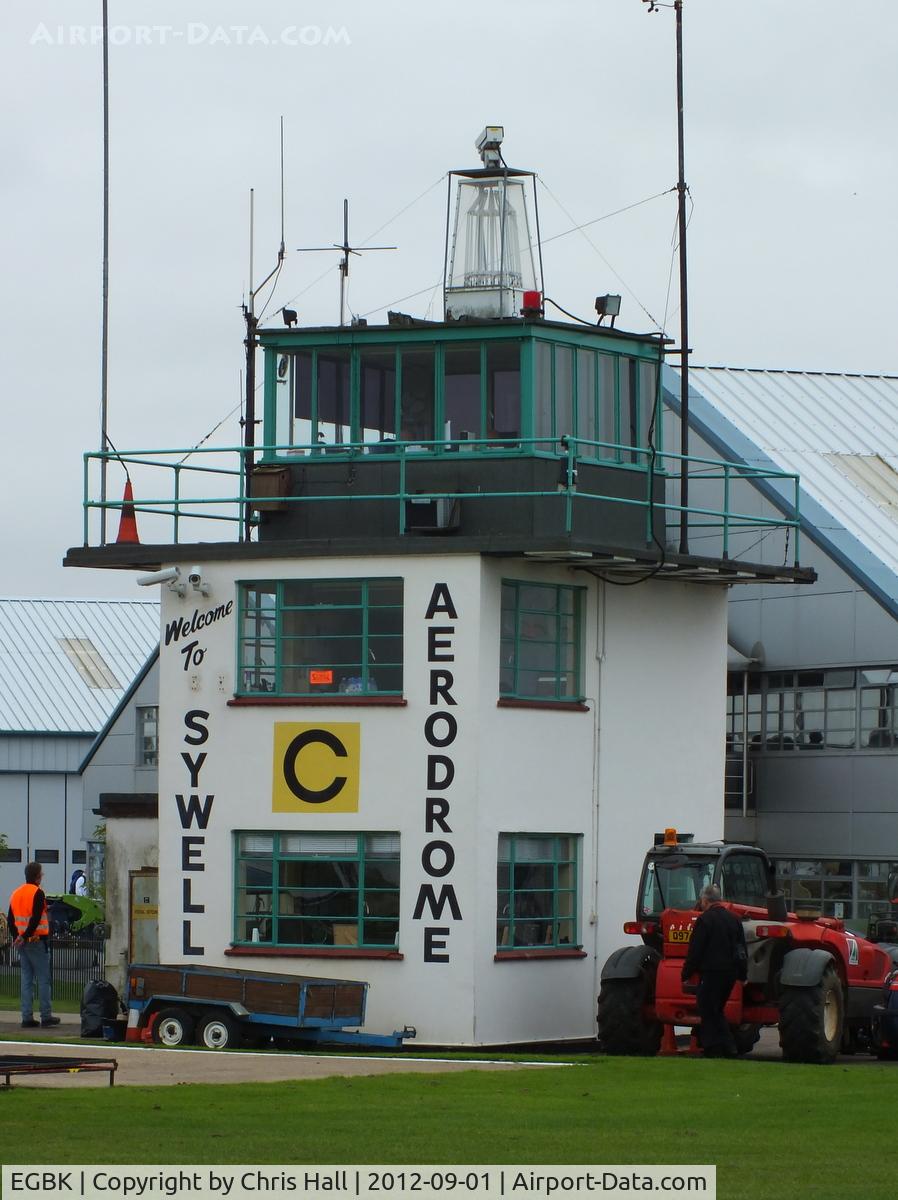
(490, 257)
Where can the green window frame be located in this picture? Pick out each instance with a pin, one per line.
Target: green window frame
(532, 388)
(537, 891)
(388, 391)
(320, 637)
(316, 889)
(608, 402)
(540, 641)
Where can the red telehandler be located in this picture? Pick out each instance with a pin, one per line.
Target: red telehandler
(807, 973)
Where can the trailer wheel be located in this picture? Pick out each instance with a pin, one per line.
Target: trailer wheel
(173, 1027)
(625, 1026)
(218, 1030)
(811, 1020)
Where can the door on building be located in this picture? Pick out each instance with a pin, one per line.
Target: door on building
(143, 917)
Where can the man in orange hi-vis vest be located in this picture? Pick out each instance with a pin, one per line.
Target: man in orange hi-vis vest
(29, 926)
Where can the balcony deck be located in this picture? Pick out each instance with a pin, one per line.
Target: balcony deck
(562, 500)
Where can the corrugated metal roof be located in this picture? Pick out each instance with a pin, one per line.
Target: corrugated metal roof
(54, 653)
(838, 432)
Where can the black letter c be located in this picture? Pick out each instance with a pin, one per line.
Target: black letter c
(307, 795)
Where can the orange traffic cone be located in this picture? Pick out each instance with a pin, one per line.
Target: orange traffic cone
(127, 528)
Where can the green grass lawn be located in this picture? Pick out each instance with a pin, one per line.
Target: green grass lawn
(772, 1129)
(9, 999)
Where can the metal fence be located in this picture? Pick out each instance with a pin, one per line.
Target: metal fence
(74, 963)
(180, 499)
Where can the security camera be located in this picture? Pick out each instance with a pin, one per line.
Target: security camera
(170, 576)
(195, 579)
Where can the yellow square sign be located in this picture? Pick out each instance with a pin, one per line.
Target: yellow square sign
(316, 767)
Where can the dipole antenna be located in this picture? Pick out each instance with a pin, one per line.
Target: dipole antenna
(345, 249)
(250, 342)
(682, 191)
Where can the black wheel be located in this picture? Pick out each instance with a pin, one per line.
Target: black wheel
(746, 1036)
(218, 1030)
(625, 1022)
(811, 1020)
(173, 1027)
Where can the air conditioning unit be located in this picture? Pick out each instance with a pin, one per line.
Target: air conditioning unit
(428, 515)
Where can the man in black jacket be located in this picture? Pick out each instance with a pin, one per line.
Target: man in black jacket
(717, 955)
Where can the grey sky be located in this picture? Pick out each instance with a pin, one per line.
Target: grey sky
(790, 111)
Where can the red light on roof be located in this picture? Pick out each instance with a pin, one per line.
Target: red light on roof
(532, 304)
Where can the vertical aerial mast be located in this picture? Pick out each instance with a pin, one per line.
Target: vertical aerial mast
(682, 189)
(104, 352)
(252, 324)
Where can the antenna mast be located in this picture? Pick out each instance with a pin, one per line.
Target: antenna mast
(345, 249)
(104, 336)
(252, 325)
(682, 190)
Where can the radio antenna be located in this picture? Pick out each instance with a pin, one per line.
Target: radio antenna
(104, 336)
(345, 249)
(250, 342)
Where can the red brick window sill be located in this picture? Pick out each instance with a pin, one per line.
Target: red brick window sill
(318, 701)
(517, 955)
(307, 952)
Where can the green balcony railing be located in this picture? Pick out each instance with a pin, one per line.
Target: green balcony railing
(728, 515)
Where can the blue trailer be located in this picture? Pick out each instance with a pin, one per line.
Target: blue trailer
(219, 1007)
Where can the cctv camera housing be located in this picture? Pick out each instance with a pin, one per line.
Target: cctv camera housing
(195, 575)
(169, 575)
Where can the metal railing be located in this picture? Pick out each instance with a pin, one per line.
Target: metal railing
(74, 962)
(194, 492)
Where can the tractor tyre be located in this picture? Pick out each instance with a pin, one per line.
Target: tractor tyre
(811, 1020)
(624, 1026)
(746, 1036)
(173, 1027)
(218, 1030)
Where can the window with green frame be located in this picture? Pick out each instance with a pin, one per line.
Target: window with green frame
(540, 641)
(431, 396)
(536, 890)
(320, 637)
(316, 889)
(605, 401)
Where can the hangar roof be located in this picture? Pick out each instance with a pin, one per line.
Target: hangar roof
(65, 664)
(839, 433)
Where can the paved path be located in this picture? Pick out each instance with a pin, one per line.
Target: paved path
(146, 1066)
(149, 1066)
